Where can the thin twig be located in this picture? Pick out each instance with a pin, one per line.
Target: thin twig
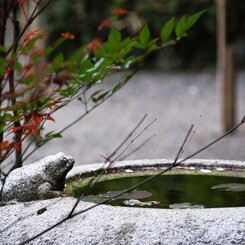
(108, 159)
(183, 144)
(128, 136)
(193, 133)
(132, 141)
(215, 141)
(33, 16)
(137, 148)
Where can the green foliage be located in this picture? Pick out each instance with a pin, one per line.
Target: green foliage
(85, 15)
(167, 30)
(185, 23)
(144, 36)
(30, 102)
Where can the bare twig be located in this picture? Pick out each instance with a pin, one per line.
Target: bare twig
(137, 148)
(193, 133)
(108, 159)
(132, 141)
(183, 144)
(128, 136)
(215, 141)
(35, 13)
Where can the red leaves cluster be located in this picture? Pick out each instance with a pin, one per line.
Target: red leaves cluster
(21, 2)
(7, 146)
(32, 124)
(30, 35)
(94, 44)
(119, 11)
(105, 23)
(68, 35)
(108, 22)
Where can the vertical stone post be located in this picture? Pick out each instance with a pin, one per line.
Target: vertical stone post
(230, 91)
(225, 70)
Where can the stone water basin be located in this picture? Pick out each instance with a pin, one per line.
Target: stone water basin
(107, 224)
(190, 185)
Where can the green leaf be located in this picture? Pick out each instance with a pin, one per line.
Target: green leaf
(128, 42)
(57, 62)
(59, 58)
(54, 47)
(99, 96)
(185, 23)
(17, 66)
(43, 101)
(4, 120)
(28, 80)
(114, 37)
(128, 62)
(167, 30)
(3, 48)
(85, 66)
(127, 46)
(123, 81)
(193, 19)
(2, 127)
(152, 46)
(181, 27)
(52, 135)
(3, 64)
(169, 43)
(67, 92)
(139, 45)
(144, 35)
(78, 56)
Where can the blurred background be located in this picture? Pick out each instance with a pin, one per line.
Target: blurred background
(198, 51)
(178, 85)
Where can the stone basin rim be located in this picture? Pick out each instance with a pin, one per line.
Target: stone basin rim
(141, 163)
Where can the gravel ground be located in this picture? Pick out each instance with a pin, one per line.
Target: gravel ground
(176, 100)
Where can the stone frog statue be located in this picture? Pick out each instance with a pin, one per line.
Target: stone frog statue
(43, 179)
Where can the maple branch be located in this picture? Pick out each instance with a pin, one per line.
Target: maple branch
(18, 133)
(35, 13)
(124, 81)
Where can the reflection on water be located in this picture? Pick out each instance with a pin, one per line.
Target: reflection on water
(178, 191)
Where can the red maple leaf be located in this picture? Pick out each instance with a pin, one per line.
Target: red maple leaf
(68, 35)
(21, 2)
(94, 44)
(32, 124)
(119, 11)
(104, 23)
(6, 146)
